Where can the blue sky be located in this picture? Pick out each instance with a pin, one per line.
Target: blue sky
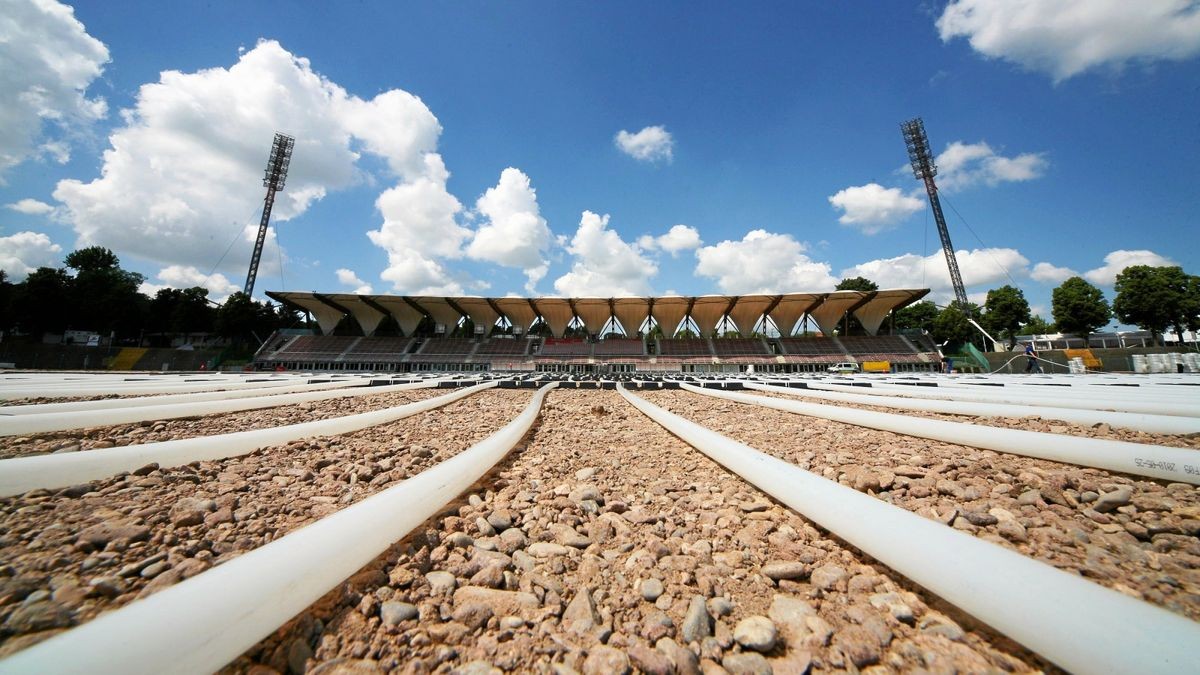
(475, 148)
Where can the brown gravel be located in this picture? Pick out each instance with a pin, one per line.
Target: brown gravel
(153, 431)
(71, 554)
(1145, 545)
(619, 547)
(1045, 424)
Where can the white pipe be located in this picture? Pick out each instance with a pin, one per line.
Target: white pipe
(1157, 461)
(164, 399)
(199, 625)
(55, 471)
(60, 421)
(1079, 625)
(1162, 424)
(136, 389)
(1082, 402)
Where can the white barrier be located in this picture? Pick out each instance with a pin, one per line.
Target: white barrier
(61, 421)
(1079, 625)
(55, 471)
(1157, 461)
(217, 615)
(1162, 424)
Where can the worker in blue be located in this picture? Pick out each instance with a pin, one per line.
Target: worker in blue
(1031, 363)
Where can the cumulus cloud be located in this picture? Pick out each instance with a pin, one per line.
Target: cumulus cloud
(349, 278)
(763, 262)
(1115, 262)
(23, 252)
(651, 144)
(190, 155)
(985, 266)
(604, 264)
(47, 62)
(678, 238)
(30, 207)
(1050, 274)
(872, 208)
(185, 276)
(962, 165)
(1066, 37)
(514, 233)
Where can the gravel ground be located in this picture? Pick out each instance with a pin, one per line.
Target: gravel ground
(152, 431)
(1045, 423)
(1133, 534)
(67, 555)
(605, 544)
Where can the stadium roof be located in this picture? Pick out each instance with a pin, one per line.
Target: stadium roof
(740, 313)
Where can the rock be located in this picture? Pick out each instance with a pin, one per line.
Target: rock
(859, 645)
(788, 613)
(500, 519)
(683, 659)
(651, 589)
(98, 536)
(657, 626)
(393, 612)
(650, 661)
(585, 493)
(606, 661)
(441, 583)
(697, 624)
(511, 622)
(1012, 530)
(826, 577)
(756, 632)
(478, 668)
(1029, 498)
(460, 539)
(502, 603)
(298, 654)
(721, 606)
(581, 616)
(190, 511)
(473, 615)
(584, 474)
(939, 624)
(710, 667)
(747, 663)
(979, 518)
(513, 540)
(345, 666)
(32, 617)
(1111, 501)
(546, 549)
(776, 571)
(491, 575)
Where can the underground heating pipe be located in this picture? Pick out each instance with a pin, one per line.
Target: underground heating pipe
(1081, 626)
(203, 623)
(1161, 424)
(1056, 399)
(20, 425)
(138, 389)
(56, 471)
(164, 399)
(1156, 461)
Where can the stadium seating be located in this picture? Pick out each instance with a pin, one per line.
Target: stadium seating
(866, 345)
(566, 347)
(811, 346)
(503, 347)
(447, 347)
(684, 347)
(316, 347)
(739, 347)
(379, 349)
(620, 347)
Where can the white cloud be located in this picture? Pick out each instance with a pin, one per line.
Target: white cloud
(605, 265)
(1067, 37)
(47, 62)
(1050, 274)
(979, 267)
(185, 276)
(31, 207)
(514, 233)
(763, 262)
(23, 252)
(188, 161)
(349, 278)
(962, 165)
(872, 208)
(1115, 262)
(648, 145)
(678, 238)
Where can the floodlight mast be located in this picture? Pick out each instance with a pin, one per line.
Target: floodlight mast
(274, 179)
(924, 169)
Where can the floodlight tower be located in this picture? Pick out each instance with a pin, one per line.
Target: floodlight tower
(274, 180)
(924, 169)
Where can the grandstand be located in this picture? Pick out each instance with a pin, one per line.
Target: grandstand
(755, 345)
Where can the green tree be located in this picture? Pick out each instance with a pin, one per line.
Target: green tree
(951, 324)
(1079, 307)
(1152, 298)
(7, 321)
(92, 259)
(39, 303)
(245, 321)
(1037, 326)
(105, 297)
(917, 315)
(1005, 311)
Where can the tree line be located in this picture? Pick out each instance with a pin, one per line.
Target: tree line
(91, 292)
(1155, 299)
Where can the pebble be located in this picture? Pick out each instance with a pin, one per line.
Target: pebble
(826, 577)
(697, 624)
(1111, 501)
(546, 549)
(393, 612)
(606, 661)
(650, 661)
(581, 616)
(785, 570)
(756, 633)
(440, 582)
(746, 663)
(651, 589)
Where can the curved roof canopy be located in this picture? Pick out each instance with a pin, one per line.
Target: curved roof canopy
(826, 309)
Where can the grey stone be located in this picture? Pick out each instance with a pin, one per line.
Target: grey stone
(441, 582)
(393, 612)
(606, 661)
(776, 571)
(746, 663)
(581, 615)
(697, 624)
(826, 577)
(1111, 501)
(651, 589)
(756, 632)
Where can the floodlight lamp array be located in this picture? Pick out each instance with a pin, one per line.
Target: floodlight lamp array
(918, 149)
(275, 176)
